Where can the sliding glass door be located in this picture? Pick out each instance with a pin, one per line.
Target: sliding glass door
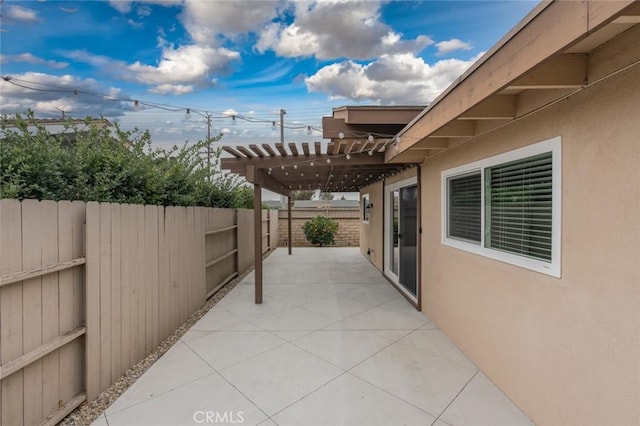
(401, 235)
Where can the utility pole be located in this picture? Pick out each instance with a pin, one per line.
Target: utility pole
(209, 146)
(282, 113)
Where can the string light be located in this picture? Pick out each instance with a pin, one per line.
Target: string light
(348, 157)
(273, 125)
(187, 115)
(295, 166)
(29, 85)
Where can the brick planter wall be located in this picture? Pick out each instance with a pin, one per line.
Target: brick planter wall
(348, 234)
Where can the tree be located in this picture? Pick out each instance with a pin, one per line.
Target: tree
(320, 231)
(302, 195)
(110, 165)
(327, 196)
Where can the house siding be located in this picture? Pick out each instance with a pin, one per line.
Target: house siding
(371, 234)
(567, 350)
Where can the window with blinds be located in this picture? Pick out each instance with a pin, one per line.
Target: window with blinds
(519, 211)
(508, 207)
(465, 203)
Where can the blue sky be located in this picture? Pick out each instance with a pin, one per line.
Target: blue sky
(242, 58)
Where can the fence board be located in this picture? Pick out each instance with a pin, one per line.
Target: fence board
(105, 295)
(139, 284)
(174, 251)
(92, 361)
(151, 276)
(11, 311)
(189, 265)
(164, 280)
(245, 240)
(32, 308)
(144, 276)
(50, 308)
(65, 301)
(116, 295)
(79, 213)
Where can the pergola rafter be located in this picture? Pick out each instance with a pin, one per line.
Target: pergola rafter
(344, 167)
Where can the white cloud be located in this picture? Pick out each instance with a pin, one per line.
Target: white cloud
(173, 89)
(31, 59)
(452, 45)
(391, 79)
(18, 99)
(329, 29)
(14, 13)
(178, 71)
(186, 64)
(135, 25)
(205, 20)
(125, 6)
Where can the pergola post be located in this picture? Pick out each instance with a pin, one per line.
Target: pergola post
(289, 222)
(257, 226)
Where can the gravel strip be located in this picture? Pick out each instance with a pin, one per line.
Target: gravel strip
(86, 413)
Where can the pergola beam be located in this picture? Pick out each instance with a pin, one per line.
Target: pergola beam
(266, 162)
(259, 177)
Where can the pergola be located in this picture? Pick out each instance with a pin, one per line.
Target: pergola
(347, 165)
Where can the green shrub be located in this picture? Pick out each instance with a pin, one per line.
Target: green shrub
(320, 231)
(112, 165)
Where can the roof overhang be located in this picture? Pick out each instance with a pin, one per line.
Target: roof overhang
(560, 48)
(308, 168)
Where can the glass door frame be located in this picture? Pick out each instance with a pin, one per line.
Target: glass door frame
(388, 243)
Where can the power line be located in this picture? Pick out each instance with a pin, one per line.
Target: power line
(137, 103)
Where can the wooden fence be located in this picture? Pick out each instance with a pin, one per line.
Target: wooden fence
(88, 290)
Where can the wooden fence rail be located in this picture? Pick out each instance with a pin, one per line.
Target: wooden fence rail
(87, 290)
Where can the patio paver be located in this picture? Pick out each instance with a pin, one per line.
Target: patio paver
(332, 344)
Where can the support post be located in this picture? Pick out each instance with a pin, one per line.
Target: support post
(257, 226)
(289, 223)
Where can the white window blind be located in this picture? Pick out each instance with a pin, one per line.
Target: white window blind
(519, 207)
(465, 203)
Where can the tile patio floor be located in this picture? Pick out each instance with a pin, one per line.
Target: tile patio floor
(332, 344)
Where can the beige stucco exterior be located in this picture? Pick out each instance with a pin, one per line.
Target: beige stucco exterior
(371, 233)
(565, 350)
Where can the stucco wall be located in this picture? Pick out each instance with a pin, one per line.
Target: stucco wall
(566, 351)
(348, 234)
(371, 234)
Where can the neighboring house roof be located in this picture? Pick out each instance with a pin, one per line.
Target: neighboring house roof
(326, 204)
(557, 50)
(354, 129)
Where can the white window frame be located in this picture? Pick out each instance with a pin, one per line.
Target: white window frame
(553, 267)
(364, 207)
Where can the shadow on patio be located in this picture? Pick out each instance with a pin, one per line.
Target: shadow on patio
(333, 343)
